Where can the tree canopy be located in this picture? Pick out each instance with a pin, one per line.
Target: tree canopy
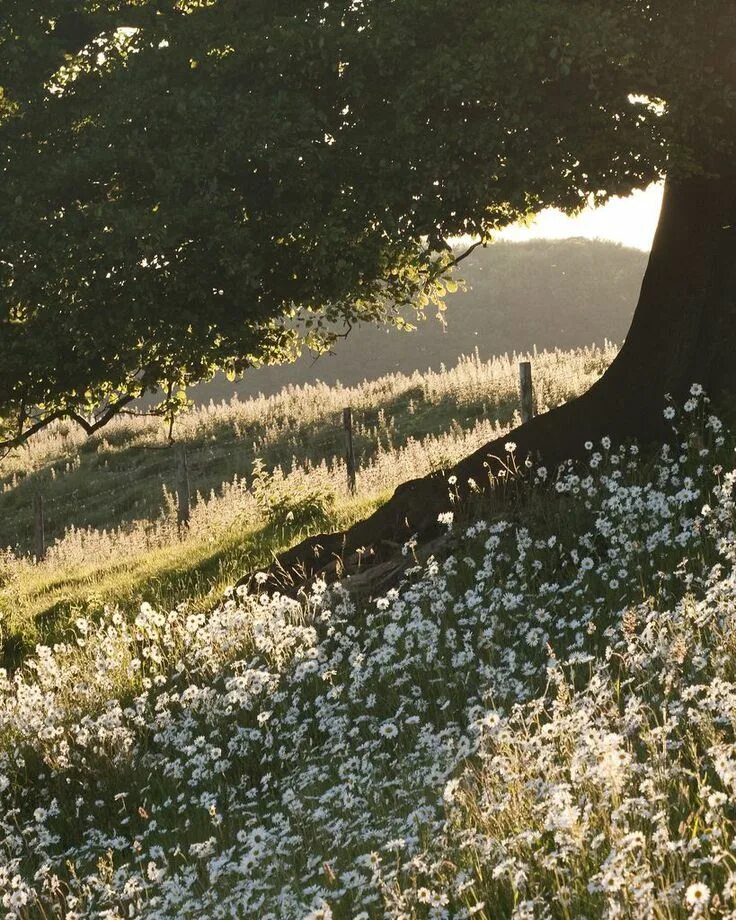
(190, 185)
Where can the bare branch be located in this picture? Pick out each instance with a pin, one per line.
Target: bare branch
(10, 443)
(90, 428)
(471, 249)
(101, 420)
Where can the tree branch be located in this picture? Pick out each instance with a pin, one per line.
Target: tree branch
(90, 428)
(101, 420)
(464, 255)
(11, 443)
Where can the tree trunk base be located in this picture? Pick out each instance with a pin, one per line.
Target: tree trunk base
(683, 332)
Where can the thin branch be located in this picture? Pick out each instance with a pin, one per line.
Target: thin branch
(432, 276)
(468, 251)
(103, 419)
(10, 443)
(343, 335)
(136, 413)
(169, 391)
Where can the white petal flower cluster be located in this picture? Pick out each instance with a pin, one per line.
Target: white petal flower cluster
(542, 725)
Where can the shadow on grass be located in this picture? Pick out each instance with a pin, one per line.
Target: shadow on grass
(43, 608)
(193, 573)
(118, 482)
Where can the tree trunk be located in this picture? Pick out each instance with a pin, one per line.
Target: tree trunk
(683, 332)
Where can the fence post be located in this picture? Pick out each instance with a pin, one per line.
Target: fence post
(39, 528)
(182, 488)
(347, 422)
(526, 391)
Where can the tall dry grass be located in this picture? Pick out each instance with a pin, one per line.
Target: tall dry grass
(406, 425)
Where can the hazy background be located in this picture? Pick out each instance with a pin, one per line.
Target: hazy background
(541, 292)
(557, 282)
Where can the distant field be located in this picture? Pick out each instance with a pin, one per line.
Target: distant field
(109, 499)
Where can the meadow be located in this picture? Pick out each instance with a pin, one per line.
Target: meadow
(538, 722)
(263, 472)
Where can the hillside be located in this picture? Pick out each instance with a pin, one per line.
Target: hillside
(262, 473)
(538, 723)
(542, 293)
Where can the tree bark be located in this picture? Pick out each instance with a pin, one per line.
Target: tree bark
(683, 332)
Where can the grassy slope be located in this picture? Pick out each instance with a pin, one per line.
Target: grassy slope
(540, 724)
(39, 603)
(113, 488)
(118, 478)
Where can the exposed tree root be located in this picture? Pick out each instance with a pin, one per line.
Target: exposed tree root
(684, 331)
(374, 544)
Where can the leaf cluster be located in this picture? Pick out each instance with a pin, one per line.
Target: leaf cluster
(192, 185)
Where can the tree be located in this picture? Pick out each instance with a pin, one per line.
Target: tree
(183, 181)
(174, 202)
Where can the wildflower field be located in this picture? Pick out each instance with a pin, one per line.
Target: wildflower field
(537, 723)
(263, 473)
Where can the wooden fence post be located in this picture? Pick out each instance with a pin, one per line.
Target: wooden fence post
(526, 391)
(39, 528)
(182, 488)
(347, 421)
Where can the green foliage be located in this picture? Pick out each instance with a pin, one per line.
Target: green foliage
(193, 186)
(287, 510)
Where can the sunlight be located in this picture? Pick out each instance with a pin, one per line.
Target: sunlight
(630, 221)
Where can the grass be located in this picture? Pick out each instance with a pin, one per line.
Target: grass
(540, 722)
(119, 476)
(110, 499)
(39, 606)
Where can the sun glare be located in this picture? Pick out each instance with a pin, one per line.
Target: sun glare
(630, 221)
